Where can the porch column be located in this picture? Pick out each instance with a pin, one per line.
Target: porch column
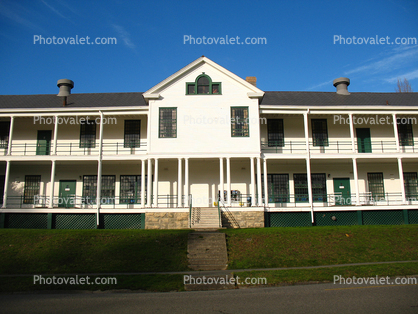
(179, 184)
(395, 131)
(221, 180)
(142, 183)
(260, 201)
(309, 179)
(252, 181)
(228, 180)
(6, 184)
(306, 128)
(353, 146)
(355, 172)
(401, 178)
(149, 182)
(186, 180)
(51, 195)
(266, 196)
(101, 136)
(99, 189)
(156, 182)
(9, 146)
(55, 135)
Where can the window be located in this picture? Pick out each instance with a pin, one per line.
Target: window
(132, 133)
(203, 85)
(130, 189)
(168, 123)
(319, 132)
(32, 188)
(90, 189)
(88, 134)
(411, 185)
(239, 122)
(376, 187)
(278, 188)
(406, 138)
(4, 133)
(319, 187)
(275, 132)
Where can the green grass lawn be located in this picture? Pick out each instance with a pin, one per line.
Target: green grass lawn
(287, 247)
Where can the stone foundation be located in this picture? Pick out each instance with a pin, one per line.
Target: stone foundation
(253, 219)
(166, 220)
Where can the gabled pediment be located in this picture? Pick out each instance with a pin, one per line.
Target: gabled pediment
(154, 92)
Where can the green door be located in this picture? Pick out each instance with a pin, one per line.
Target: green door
(364, 142)
(67, 193)
(342, 191)
(43, 146)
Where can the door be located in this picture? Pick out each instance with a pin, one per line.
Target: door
(342, 191)
(43, 146)
(67, 193)
(364, 142)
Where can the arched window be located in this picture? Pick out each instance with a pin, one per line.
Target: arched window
(203, 85)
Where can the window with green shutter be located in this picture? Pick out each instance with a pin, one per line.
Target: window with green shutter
(107, 189)
(411, 185)
(319, 187)
(278, 187)
(168, 123)
(130, 189)
(239, 122)
(4, 133)
(88, 134)
(203, 85)
(319, 132)
(406, 137)
(275, 132)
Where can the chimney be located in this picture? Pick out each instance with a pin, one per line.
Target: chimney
(341, 84)
(65, 87)
(251, 80)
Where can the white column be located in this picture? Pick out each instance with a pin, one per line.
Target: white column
(99, 185)
(353, 145)
(306, 128)
(6, 184)
(101, 136)
(221, 179)
(228, 179)
(51, 195)
(149, 182)
(355, 172)
(142, 183)
(266, 195)
(252, 181)
(259, 190)
(395, 130)
(9, 146)
(401, 178)
(156, 182)
(179, 184)
(309, 179)
(55, 135)
(186, 180)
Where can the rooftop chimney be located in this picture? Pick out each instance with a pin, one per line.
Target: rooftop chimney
(65, 86)
(341, 84)
(251, 80)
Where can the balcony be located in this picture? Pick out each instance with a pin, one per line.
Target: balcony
(335, 147)
(73, 149)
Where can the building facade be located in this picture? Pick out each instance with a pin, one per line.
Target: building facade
(205, 141)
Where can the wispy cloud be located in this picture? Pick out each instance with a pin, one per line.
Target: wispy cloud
(13, 16)
(126, 37)
(327, 83)
(56, 11)
(409, 76)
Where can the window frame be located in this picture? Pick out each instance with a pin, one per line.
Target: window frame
(129, 131)
(91, 196)
(320, 132)
(165, 133)
(85, 142)
(136, 197)
(279, 142)
(211, 85)
(405, 134)
(245, 130)
(277, 182)
(318, 197)
(411, 183)
(32, 188)
(371, 176)
(4, 134)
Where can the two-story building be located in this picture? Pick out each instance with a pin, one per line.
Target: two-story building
(207, 143)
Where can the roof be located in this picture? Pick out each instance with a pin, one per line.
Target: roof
(73, 101)
(334, 99)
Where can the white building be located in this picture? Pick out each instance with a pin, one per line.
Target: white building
(280, 158)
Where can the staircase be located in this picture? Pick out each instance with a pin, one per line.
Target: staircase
(207, 250)
(204, 218)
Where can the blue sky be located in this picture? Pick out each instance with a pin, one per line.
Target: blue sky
(300, 54)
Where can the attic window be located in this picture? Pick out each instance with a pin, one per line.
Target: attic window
(203, 85)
